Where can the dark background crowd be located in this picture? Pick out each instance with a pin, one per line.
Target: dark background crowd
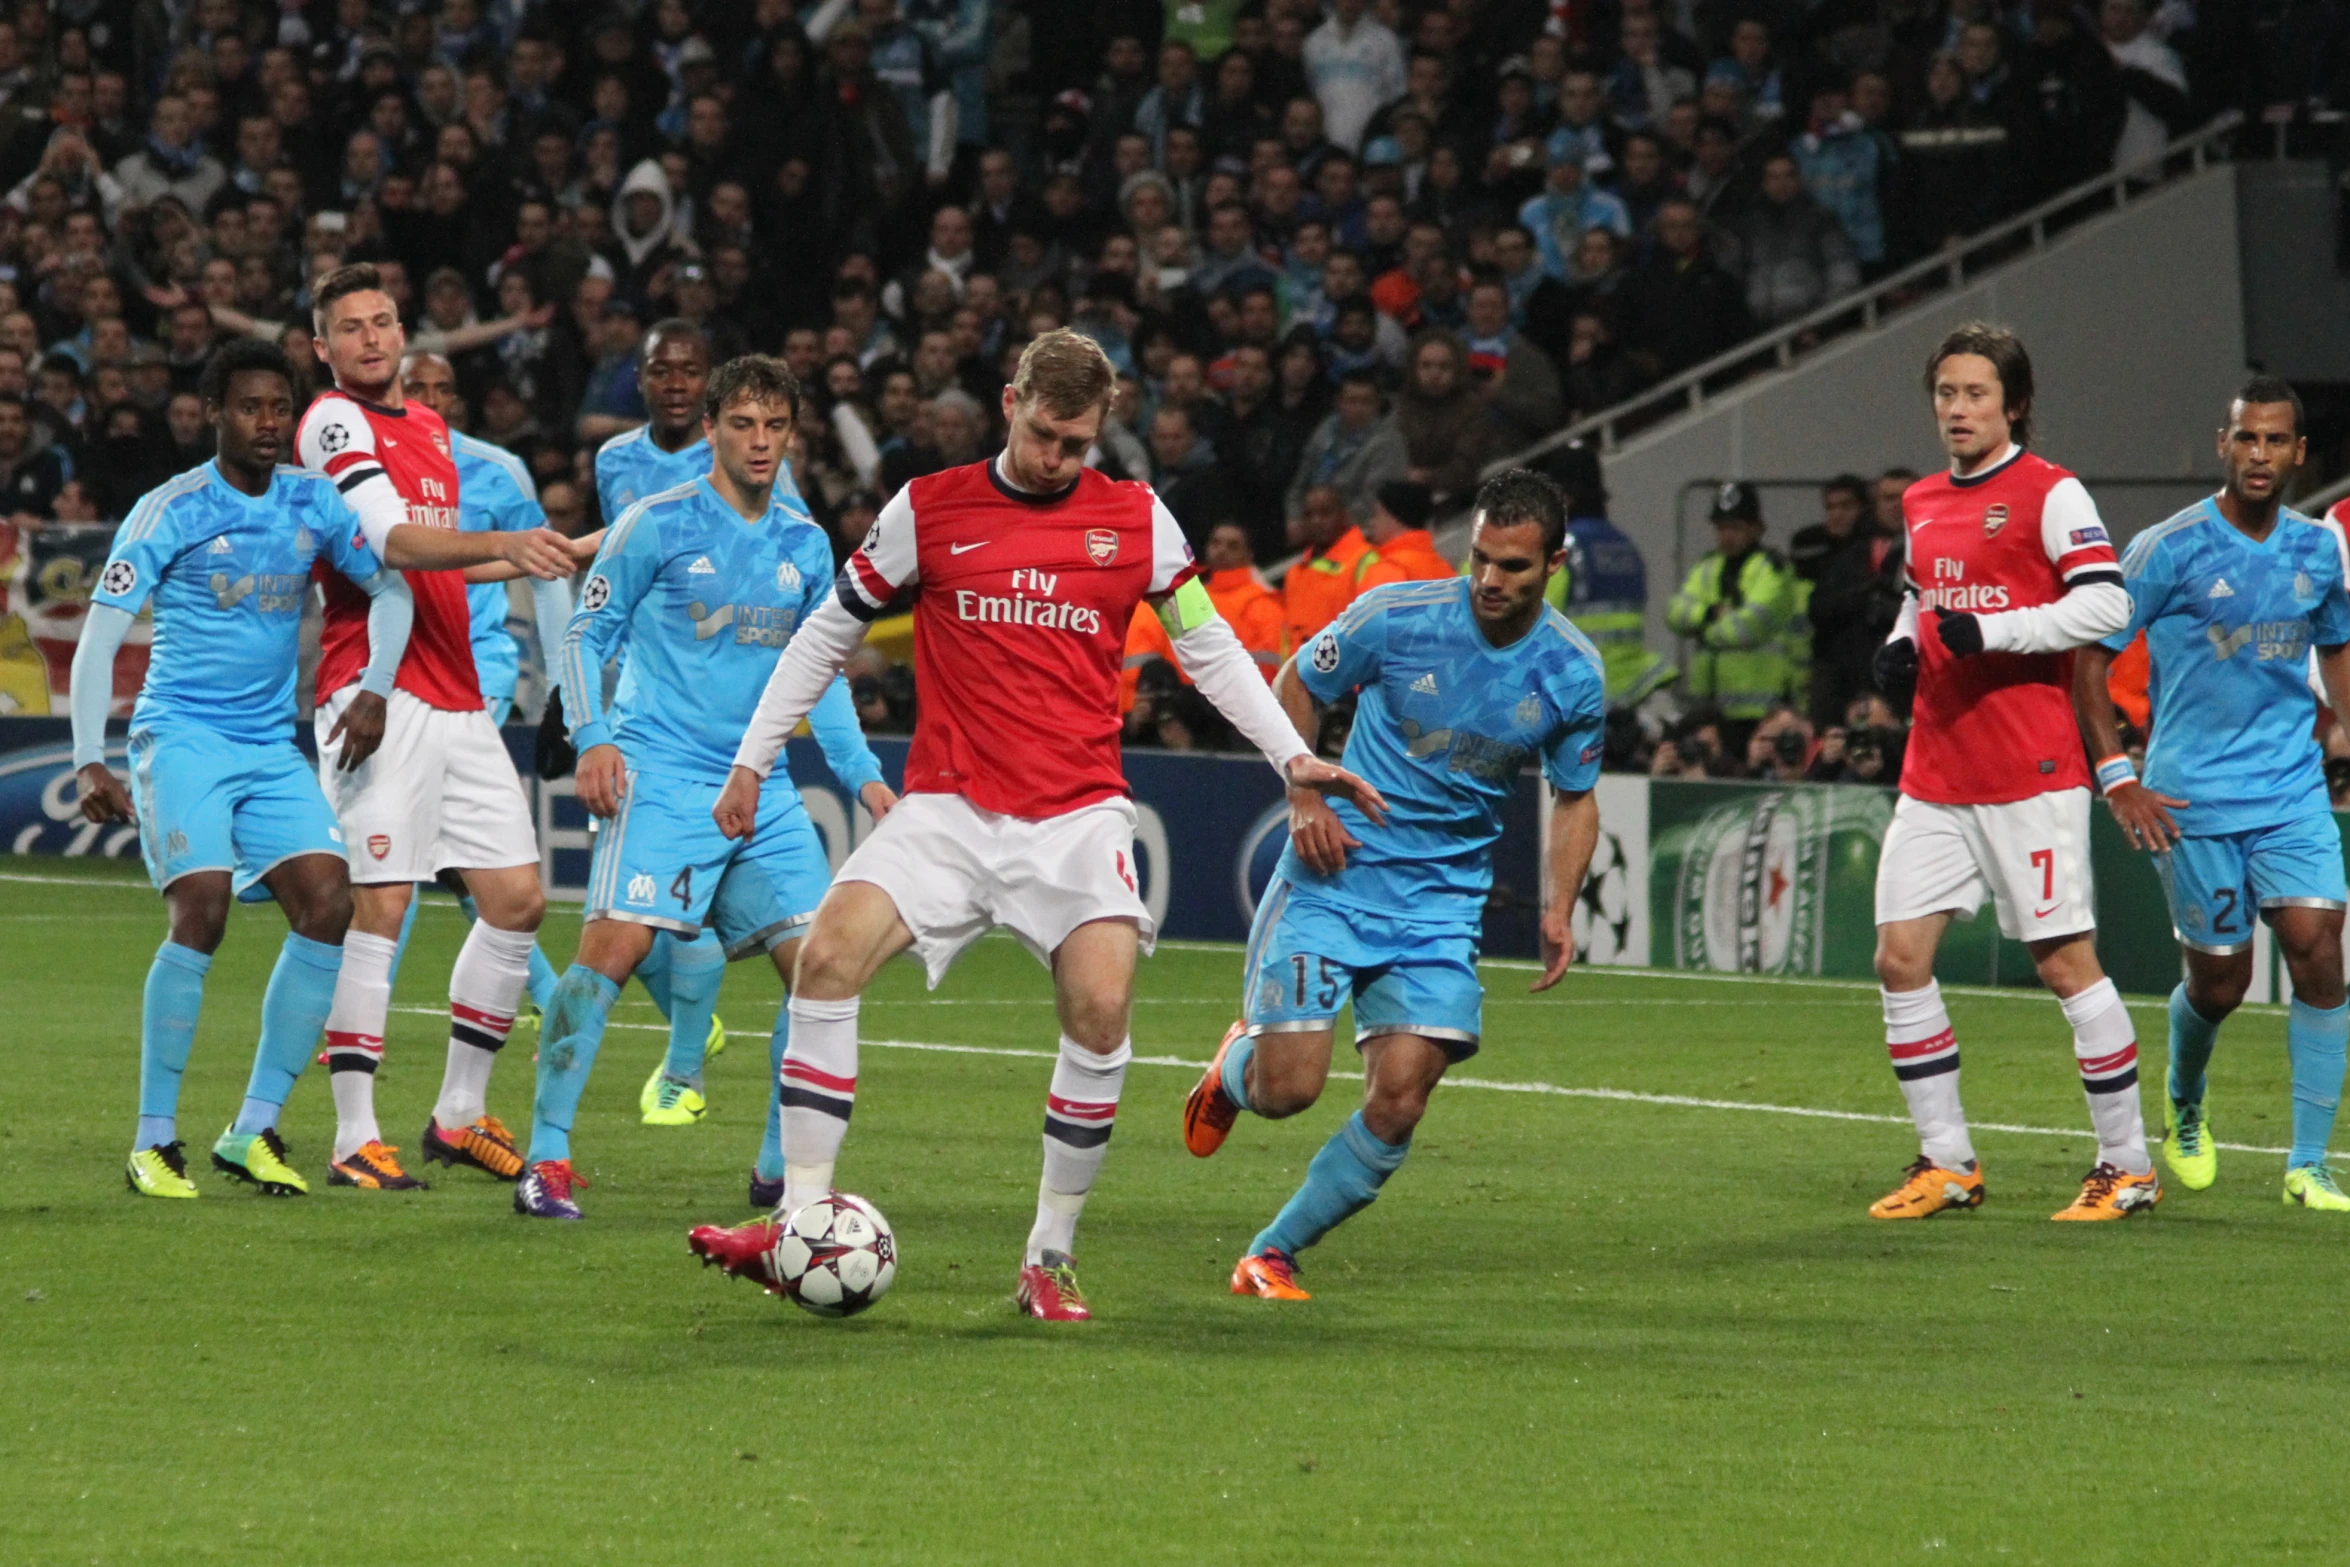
(1329, 249)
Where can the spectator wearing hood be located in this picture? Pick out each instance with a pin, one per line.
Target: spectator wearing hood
(643, 234)
(1569, 204)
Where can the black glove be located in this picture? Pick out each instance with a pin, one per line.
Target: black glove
(1896, 670)
(1961, 632)
(555, 757)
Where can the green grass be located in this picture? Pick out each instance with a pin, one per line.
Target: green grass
(1573, 1330)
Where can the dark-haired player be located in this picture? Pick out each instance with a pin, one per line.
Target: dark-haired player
(1463, 681)
(707, 581)
(226, 805)
(439, 793)
(2007, 554)
(2233, 594)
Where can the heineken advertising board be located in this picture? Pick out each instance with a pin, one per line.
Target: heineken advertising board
(1763, 879)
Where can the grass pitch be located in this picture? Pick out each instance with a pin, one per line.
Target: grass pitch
(1576, 1328)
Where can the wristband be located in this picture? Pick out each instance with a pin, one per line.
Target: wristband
(2113, 772)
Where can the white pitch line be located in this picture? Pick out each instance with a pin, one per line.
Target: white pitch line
(121, 882)
(1492, 1085)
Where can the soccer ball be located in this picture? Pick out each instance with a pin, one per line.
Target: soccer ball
(836, 1256)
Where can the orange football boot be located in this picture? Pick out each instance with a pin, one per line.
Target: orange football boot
(1268, 1275)
(2110, 1193)
(372, 1168)
(1927, 1188)
(1209, 1113)
(486, 1145)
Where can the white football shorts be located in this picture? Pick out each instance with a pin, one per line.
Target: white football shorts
(955, 871)
(2029, 857)
(439, 794)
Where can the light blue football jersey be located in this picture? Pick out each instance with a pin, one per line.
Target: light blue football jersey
(2229, 624)
(495, 495)
(1445, 724)
(229, 573)
(706, 603)
(630, 467)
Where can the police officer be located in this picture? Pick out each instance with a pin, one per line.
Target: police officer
(1736, 608)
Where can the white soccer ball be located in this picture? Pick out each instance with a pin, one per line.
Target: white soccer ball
(836, 1256)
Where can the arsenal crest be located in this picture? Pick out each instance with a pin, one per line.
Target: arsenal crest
(1994, 519)
(379, 844)
(1101, 545)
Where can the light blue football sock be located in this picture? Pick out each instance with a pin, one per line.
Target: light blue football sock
(407, 929)
(571, 1036)
(293, 1010)
(1343, 1180)
(167, 1032)
(543, 979)
(2318, 1042)
(2191, 1039)
(1235, 1075)
(770, 1167)
(653, 972)
(697, 968)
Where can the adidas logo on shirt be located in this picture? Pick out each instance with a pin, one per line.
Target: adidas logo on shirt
(1426, 684)
(2221, 590)
(702, 567)
(220, 546)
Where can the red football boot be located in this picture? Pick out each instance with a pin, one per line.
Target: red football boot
(745, 1251)
(1048, 1290)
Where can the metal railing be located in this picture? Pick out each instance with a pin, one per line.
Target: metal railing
(2024, 234)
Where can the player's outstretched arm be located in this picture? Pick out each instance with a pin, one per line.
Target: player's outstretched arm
(103, 797)
(540, 552)
(1224, 671)
(1574, 838)
(2143, 816)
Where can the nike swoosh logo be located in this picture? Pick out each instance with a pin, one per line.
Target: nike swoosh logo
(2041, 914)
(958, 549)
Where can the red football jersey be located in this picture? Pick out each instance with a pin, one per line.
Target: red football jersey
(1019, 628)
(352, 442)
(1997, 726)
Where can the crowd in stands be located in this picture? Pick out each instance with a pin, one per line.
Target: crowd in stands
(1333, 251)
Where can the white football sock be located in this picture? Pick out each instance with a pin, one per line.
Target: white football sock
(355, 1037)
(819, 1089)
(2105, 1046)
(485, 988)
(1079, 1114)
(1924, 1050)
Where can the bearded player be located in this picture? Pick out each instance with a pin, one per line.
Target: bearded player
(2007, 553)
(1016, 814)
(1462, 682)
(2234, 594)
(439, 793)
